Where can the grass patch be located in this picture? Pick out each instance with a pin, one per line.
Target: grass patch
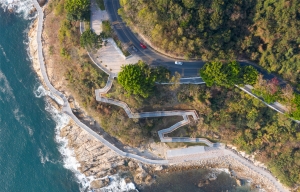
(119, 44)
(106, 29)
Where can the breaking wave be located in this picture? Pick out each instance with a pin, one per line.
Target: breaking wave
(7, 95)
(21, 7)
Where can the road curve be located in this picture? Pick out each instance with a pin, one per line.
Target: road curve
(188, 69)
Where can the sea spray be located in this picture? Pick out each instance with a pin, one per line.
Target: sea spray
(118, 184)
(8, 96)
(21, 7)
(69, 160)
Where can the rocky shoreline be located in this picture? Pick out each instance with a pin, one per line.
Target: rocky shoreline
(98, 161)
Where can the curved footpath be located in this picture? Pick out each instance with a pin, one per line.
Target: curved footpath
(67, 110)
(162, 132)
(66, 107)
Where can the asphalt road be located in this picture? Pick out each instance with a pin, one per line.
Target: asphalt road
(188, 69)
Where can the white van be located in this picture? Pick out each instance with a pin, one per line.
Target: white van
(178, 63)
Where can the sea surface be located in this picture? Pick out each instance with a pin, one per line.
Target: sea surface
(33, 158)
(31, 155)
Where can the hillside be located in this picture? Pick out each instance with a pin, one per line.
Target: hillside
(263, 31)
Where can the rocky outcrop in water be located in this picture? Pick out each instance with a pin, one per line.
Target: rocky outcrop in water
(95, 158)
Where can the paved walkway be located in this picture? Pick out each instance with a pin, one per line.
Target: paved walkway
(275, 106)
(66, 107)
(67, 110)
(161, 133)
(110, 56)
(130, 114)
(97, 16)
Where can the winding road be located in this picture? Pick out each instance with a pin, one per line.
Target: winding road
(188, 69)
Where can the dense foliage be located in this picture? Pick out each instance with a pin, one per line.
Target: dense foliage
(233, 117)
(78, 9)
(139, 79)
(226, 115)
(227, 74)
(296, 102)
(86, 81)
(269, 91)
(262, 30)
(90, 39)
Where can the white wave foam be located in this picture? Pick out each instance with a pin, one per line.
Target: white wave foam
(118, 184)
(44, 159)
(5, 87)
(40, 91)
(21, 7)
(69, 160)
(21, 119)
(4, 54)
(8, 96)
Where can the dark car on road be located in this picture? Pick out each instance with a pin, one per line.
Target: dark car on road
(143, 46)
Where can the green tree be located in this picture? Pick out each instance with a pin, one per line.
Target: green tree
(249, 75)
(90, 39)
(137, 79)
(232, 71)
(78, 9)
(212, 73)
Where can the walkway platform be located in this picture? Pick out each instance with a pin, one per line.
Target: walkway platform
(185, 151)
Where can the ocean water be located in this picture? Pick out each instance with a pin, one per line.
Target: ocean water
(32, 157)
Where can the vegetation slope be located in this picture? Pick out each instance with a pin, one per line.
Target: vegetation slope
(265, 31)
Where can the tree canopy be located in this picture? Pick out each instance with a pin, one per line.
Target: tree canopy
(212, 73)
(265, 31)
(77, 9)
(249, 75)
(90, 39)
(227, 74)
(137, 79)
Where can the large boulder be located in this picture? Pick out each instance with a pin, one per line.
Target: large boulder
(131, 164)
(97, 184)
(159, 168)
(42, 2)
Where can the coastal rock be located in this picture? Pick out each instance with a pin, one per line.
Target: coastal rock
(11, 10)
(159, 168)
(42, 2)
(212, 178)
(33, 10)
(238, 182)
(99, 183)
(141, 175)
(201, 183)
(95, 159)
(148, 179)
(131, 164)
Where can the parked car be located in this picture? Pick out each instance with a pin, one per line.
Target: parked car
(178, 63)
(143, 46)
